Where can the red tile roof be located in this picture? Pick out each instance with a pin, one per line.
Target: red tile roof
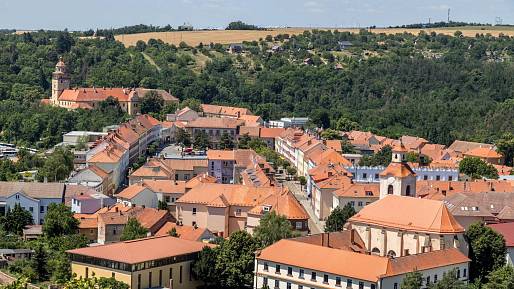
(419, 215)
(97, 94)
(185, 232)
(506, 230)
(142, 250)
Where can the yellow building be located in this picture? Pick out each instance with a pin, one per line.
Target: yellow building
(144, 263)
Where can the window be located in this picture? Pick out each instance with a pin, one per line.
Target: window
(277, 269)
(138, 281)
(265, 266)
(113, 275)
(338, 281)
(348, 282)
(171, 273)
(264, 281)
(435, 278)
(438, 178)
(300, 287)
(364, 175)
(238, 212)
(425, 177)
(376, 176)
(361, 285)
(41, 209)
(114, 231)
(458, 273)
(180, 276)
(464, 272)
(87, 272)
(277, 284)
(313, 276)
(372, 286)
(450, 178)
(325, 278)
(167, 199)
(299, 225)
(390, 189)
(17, 197)
(150, 279)
(360, 204)
(289, 271)
(407, 191)
(160, 278)
(186, 177)
(288, 285)
(194, 211)
(352, 203)
(193, 223)
(31, 209)
(395, 285)
(428, 280)
(301, 274)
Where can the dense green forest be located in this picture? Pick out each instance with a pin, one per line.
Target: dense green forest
(434, 86)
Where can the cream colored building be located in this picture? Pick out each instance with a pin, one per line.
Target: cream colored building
(296, 263)
(399, 226)
(144, 263)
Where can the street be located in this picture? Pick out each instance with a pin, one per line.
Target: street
(316, 226)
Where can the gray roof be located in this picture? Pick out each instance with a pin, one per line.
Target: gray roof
(33, 190)
(480, 204)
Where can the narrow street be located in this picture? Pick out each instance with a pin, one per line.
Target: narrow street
(316, 226)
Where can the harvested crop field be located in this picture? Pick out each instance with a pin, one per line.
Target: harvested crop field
(193, 38)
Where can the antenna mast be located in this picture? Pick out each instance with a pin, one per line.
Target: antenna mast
(448, 15)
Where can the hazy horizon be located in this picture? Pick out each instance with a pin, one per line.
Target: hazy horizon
(93, 14)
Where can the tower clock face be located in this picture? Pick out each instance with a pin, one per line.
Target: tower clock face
(390, 180)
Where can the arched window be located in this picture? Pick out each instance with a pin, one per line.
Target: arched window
(375, 251)
(391, 254)
(407, 190)
(390, 189)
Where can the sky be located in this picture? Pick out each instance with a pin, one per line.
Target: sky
(86, 14)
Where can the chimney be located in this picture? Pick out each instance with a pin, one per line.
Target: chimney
(330, 174)
(143, 206)
(115, 209)
(352, 236)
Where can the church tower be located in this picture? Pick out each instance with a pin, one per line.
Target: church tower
(398, 178)
(60, 81)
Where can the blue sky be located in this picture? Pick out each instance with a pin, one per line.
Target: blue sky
(85, 14)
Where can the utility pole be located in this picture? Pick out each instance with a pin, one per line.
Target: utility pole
(448, 15)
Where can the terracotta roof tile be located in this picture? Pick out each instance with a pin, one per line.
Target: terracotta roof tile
(141, 250)
(215, 122)
(284, 204)
(131, 191)
(359, 190)
(483, 152)
(397, 170)
(185, 232)
(97, 94)
(506, 230)
(271, 132)
(225, 110)
(416, 214)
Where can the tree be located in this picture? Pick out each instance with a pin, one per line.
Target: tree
(486, 250)
(192, 103)
(449, 281)
(57, 166)
(204, 267)
(162, 205)
(302, 180)
(240, 25)
(501, 278)
(291, 171)
(412, 280)
(330, 134)
(201, 140)
(320, 118)
(272, 228)
(347, 147)
(16, 220)
(182, 137)
(244, 141)
(20, 283)
(477, 168)
(173, 232)
(338, 218)
(59, 221)
(235, 260)
(151, 102)
(39, 261)
(95, 283)
(345, 124)
(226, 142)
(505, 146)
(133, 230)
(381, 158)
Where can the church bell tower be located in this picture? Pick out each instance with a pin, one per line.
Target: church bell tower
(60, 81)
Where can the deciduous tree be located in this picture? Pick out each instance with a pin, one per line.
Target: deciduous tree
(486, 250)
(338, 218)
(59, 221)
(272, 228)
(16, 219)
(133, 230)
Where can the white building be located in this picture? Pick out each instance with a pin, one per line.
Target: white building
(291, 263)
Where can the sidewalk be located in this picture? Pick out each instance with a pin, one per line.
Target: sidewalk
(316, 226)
